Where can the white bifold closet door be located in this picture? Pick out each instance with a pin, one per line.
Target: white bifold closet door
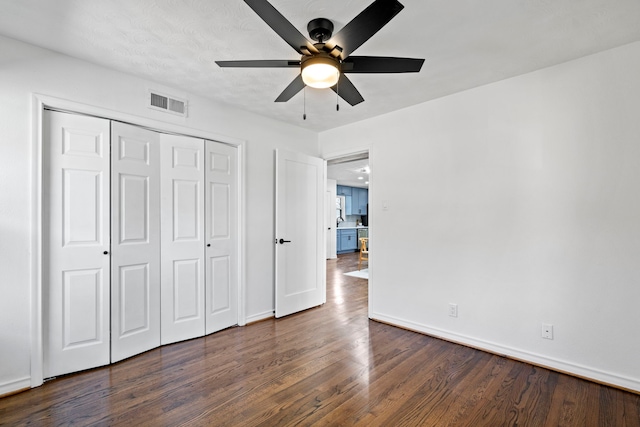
(135, 240)
(140, 240)
(76, 243)
(199, 237)
(221, 214)
(183, 171)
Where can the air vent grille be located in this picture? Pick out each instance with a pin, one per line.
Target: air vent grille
(169, 104)
(159, 101)
(176, 106)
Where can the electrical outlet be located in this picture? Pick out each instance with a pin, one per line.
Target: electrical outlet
(547, 331)
(453, 310)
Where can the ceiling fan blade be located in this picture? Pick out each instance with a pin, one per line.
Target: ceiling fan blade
(381, 64)
(267, 63)
(294, 87)
(363, 26)
(347, 91)
(281, 25)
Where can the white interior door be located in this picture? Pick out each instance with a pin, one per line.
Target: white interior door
(182, 170)
(300, 244)
(76, 265)
(221, 227)
(135, 240)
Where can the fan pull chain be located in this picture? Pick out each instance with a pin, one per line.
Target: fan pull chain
(338, 95)
(304, 103)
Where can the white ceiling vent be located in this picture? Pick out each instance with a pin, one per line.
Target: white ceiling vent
(166, 103)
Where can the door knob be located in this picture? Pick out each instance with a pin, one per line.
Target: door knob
(106, 252)
(284, 241)
(208, 245)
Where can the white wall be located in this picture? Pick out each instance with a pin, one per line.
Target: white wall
(25, 70)
(520, 202)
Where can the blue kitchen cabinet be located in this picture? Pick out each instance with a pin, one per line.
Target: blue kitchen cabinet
(347, 240)
(343, 190)
(359, 200)
(356, 199)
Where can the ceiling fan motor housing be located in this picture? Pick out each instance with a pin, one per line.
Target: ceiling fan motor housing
(320, 29)
(319, 58)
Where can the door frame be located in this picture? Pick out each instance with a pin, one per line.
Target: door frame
(347, 152)
(38, 103)
(330, 213)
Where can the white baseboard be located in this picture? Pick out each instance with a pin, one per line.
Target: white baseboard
(260, 316)
(15, 385)
(596, 375)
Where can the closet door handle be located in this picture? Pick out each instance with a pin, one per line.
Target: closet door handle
(106, 252)
(208, 245)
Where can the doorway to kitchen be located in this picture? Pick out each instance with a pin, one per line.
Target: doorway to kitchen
(348, 217)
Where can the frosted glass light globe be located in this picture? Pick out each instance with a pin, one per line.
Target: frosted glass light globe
(320, 72)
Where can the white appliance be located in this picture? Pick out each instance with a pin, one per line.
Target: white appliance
(362, 232)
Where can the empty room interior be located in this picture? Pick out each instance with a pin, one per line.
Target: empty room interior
(177, 248)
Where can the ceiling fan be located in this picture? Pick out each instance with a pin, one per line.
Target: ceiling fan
(327, 59)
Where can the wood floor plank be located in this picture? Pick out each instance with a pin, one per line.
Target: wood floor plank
(571, 403)
(438, 401)
(435, 392)
(470, 392)
(329, 365)
(388, 387)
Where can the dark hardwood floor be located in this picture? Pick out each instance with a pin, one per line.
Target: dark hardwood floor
(326, 366)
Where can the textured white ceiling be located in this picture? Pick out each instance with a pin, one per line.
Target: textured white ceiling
(350, 173)
(466, 43)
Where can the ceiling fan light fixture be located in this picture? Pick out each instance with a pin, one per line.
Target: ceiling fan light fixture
(321, 63)
(320, 71)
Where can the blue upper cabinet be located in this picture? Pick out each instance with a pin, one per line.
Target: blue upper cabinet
(359, 200)
(356, 199)
(343, 191)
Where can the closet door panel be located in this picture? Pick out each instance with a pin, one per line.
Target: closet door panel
(221, 295)
(222, 236)
(134, 209)
(76, 237)
(135, 225)
(187, 281)
(183, 301)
